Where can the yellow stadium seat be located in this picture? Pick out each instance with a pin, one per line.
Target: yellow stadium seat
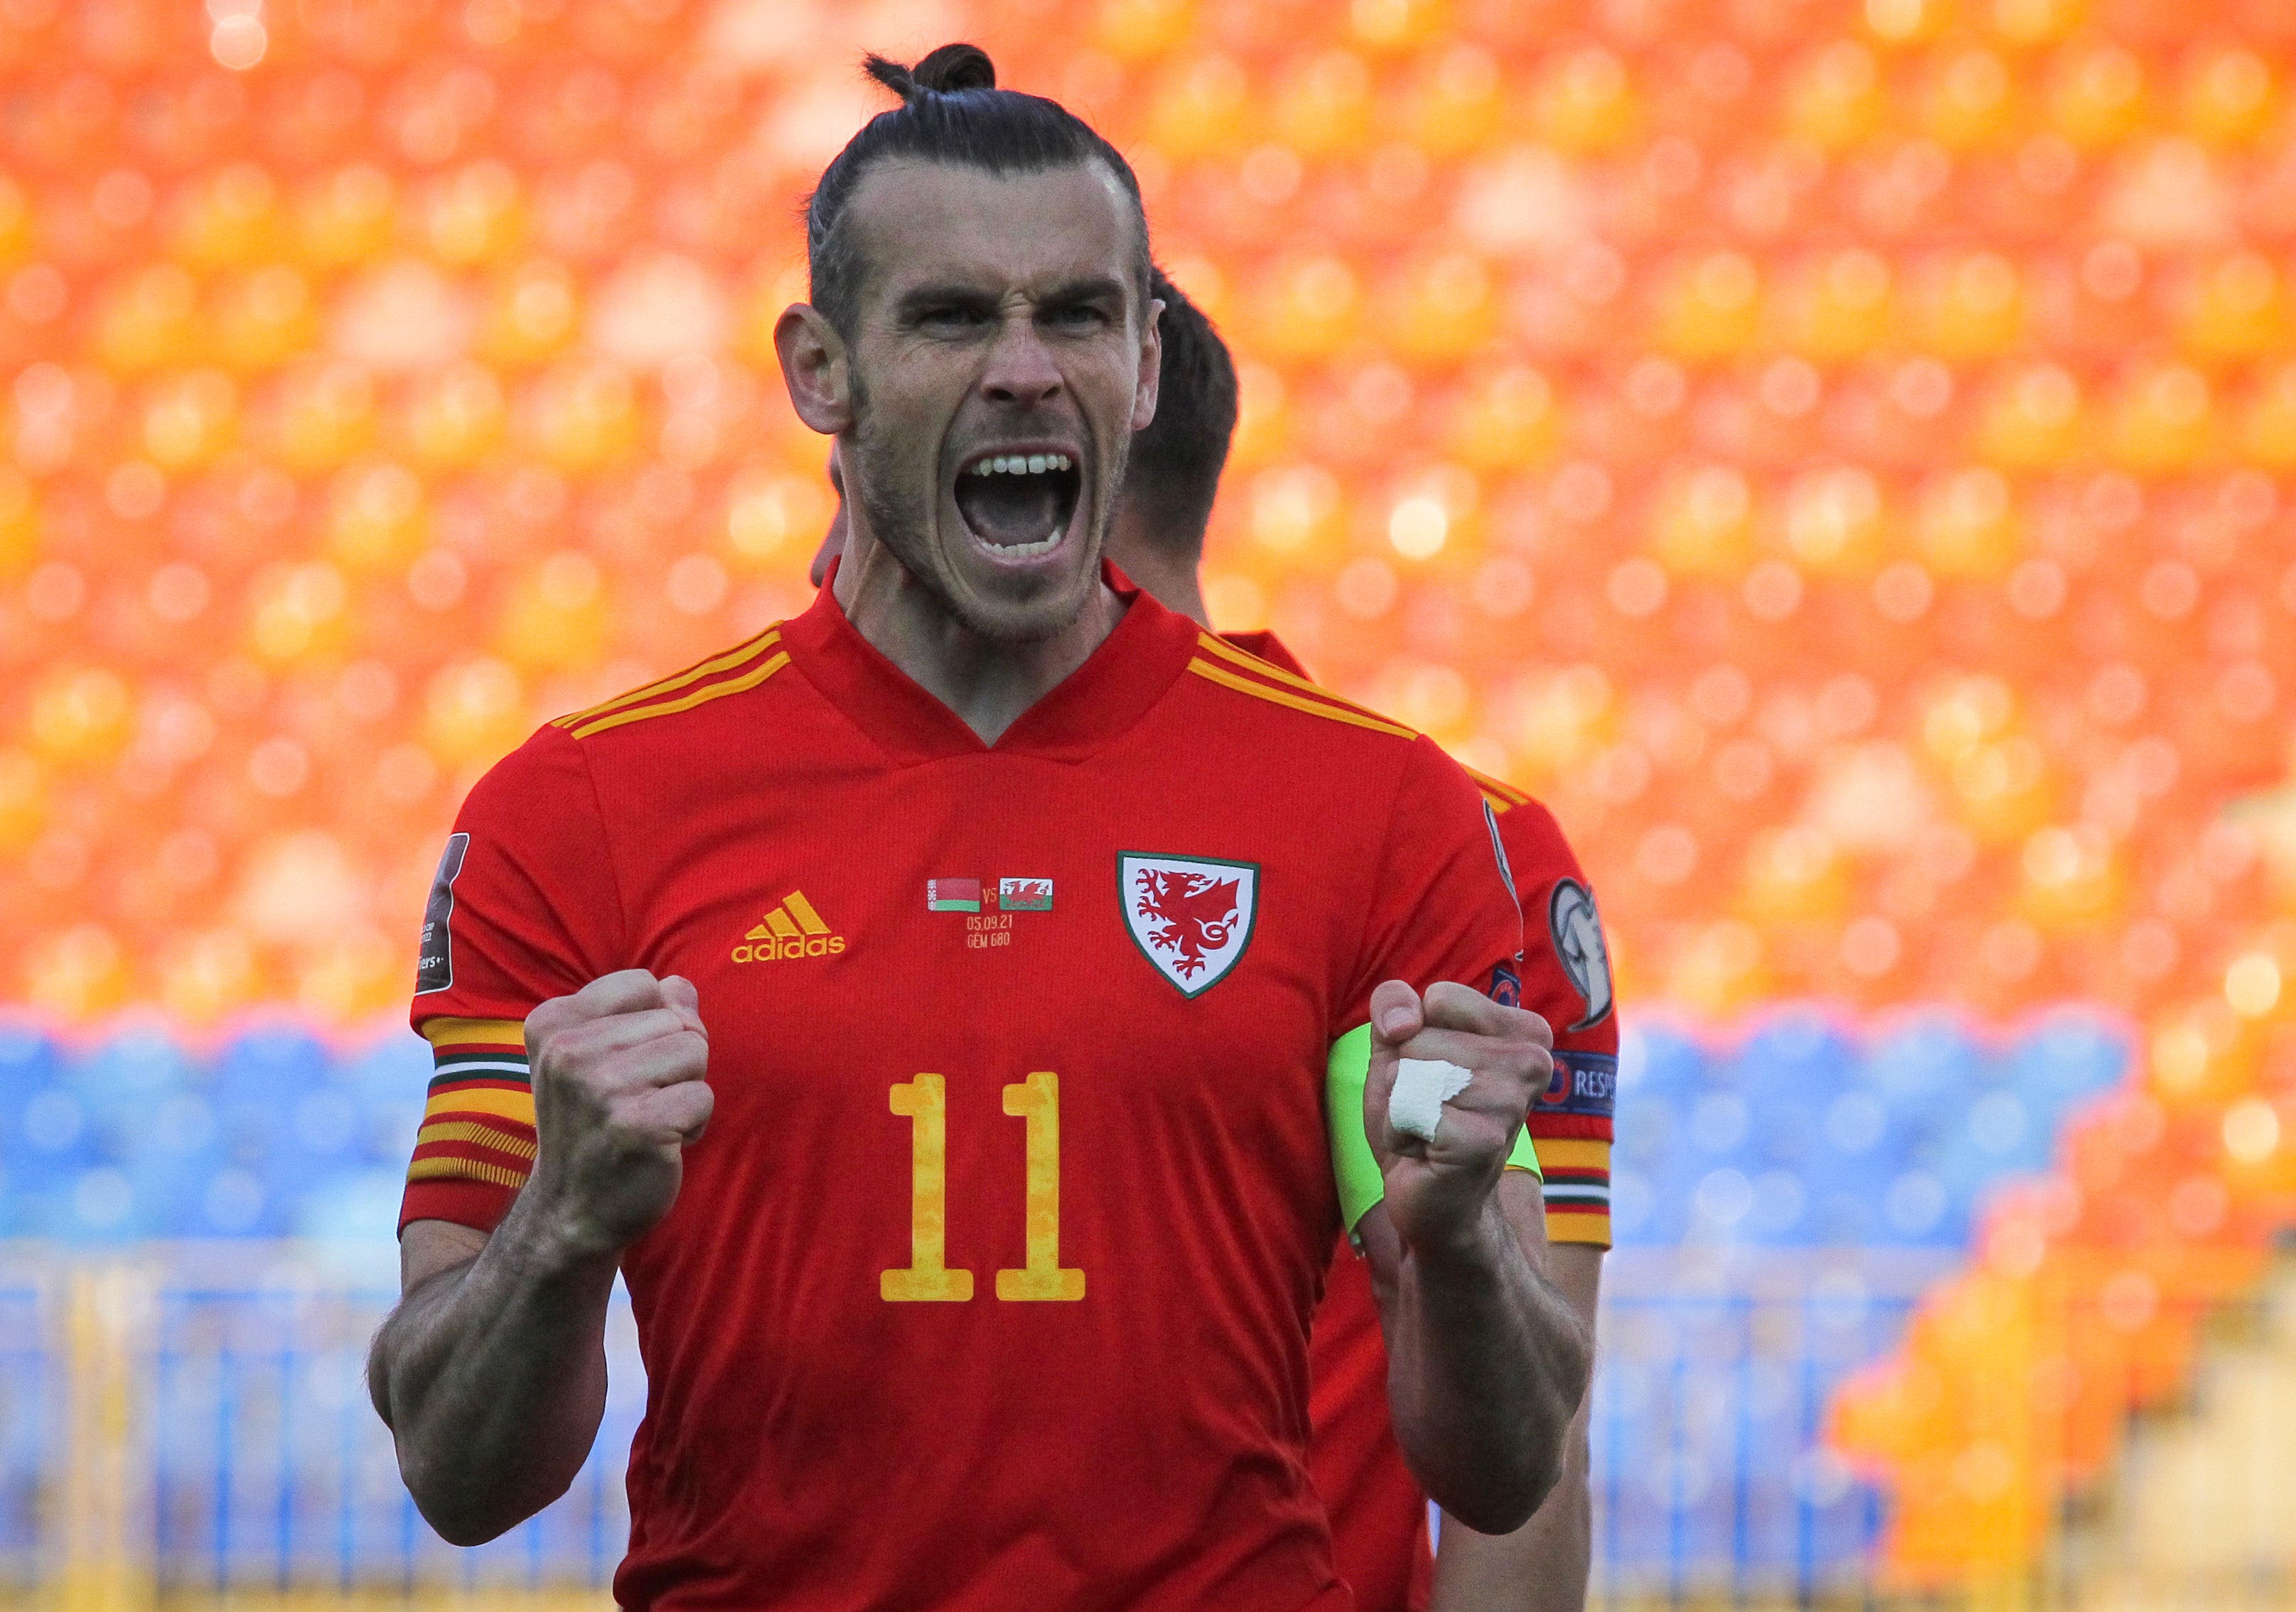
(1584, 102)
(1835, 98)
(1324, 105)
(1969, 103)
(2097, 94)
(229, 218)
(2231, 96)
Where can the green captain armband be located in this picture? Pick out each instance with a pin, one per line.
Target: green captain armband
(1353, 1166)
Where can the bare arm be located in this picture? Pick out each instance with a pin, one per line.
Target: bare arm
(1485, 1361)
(1542, 1566)
(491, 1373)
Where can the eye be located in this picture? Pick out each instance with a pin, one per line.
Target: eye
(1078, 317)
(951, 318)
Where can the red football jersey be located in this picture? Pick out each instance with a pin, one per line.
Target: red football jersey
(1379, 1513)
(990, 1285)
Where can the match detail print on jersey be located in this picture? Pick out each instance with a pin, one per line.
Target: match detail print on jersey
(1191, 916)
(434, 971)
(1577, 931)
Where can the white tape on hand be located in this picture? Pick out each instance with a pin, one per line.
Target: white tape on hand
(1423, 1085)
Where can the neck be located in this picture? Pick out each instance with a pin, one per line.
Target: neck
(988, 682)
(1167, 578)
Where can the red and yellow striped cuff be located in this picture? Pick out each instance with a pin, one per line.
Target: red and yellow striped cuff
(477, 1143)
(1578, 1190)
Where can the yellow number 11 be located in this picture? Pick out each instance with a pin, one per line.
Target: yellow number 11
(927, 1278)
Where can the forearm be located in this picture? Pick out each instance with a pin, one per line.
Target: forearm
(492, 1378)
(1542, 1566)
(1485, 1366)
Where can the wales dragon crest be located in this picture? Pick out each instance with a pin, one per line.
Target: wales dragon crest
(1191, 916)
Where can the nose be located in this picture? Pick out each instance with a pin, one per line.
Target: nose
(1020, 373)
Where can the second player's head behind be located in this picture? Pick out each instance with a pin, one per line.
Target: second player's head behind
(1172, 476)
(981, 340)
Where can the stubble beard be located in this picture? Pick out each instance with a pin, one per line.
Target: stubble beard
(901, 523)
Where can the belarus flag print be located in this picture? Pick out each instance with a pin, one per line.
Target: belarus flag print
(952, 895)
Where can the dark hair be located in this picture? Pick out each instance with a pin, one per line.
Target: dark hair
(1172, 474)
(952, 111)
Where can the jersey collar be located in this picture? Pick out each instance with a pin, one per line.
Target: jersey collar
(1089, 709)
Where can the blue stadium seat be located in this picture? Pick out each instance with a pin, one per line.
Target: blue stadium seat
(1658, 1060)
(262, 1074)
(1923, 1063)
(126, 1078)
(388, 1080)
(2067, 1057)
(28, 1059)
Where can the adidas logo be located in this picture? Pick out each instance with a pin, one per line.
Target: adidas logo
(791, 929)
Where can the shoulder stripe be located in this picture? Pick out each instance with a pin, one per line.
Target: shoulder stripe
(748, 680)
(1314, 707)
(1253, 663)
(1504, 797)
(725, 661)
(481, 1032)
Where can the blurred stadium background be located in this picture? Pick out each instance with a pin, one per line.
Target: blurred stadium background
(1836, 452)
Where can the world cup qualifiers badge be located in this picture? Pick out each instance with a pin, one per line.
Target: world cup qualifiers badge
(1576, 931)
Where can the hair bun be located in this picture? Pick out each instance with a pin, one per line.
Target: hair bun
(943, 71)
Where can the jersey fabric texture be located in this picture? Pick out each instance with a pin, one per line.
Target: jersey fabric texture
(990, 1285)
(1379, 1514)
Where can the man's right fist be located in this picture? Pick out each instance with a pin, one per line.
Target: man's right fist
(618, 1095)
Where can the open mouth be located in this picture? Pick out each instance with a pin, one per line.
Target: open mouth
(1018, 504)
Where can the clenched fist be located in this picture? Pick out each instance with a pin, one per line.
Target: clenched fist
(618, 1095)
(1437, 1187)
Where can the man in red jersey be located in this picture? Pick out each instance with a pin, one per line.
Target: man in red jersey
(1379, 1514)
(1031, 943)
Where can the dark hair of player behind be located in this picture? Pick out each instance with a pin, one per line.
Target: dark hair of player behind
(952, 111)
(1172, 474)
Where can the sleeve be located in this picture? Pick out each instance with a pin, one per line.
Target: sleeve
(1440, 909)
(524, 907)
(1566, 979)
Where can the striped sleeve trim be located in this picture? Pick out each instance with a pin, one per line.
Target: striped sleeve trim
(1545, 1124)
(1578, 1227)
(464, 1201)
(479, 1133)
(1578, 1190)
(478, 1116)
(447, 1168)
(509, 1033)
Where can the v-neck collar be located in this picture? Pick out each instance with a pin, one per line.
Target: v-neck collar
(1082, 714)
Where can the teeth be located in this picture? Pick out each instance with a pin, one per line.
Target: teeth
(1030, 551)
(1018, 464)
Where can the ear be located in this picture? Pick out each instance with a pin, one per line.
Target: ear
(1151, 365)
(814, 367)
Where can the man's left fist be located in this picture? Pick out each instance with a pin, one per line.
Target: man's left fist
(1437, 1186)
